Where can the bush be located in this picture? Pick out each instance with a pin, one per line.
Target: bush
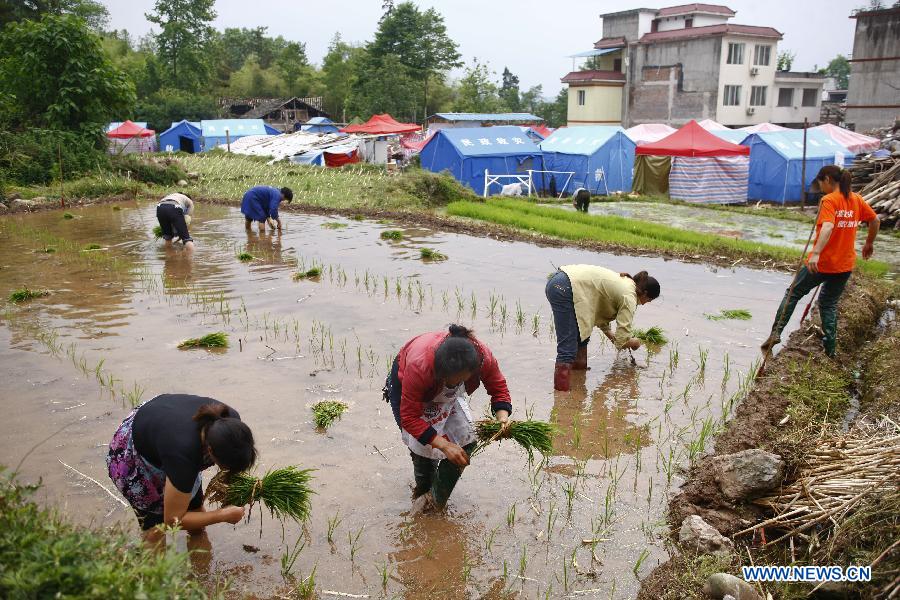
(45, 557)
(436, 189)
(32, 157)
(151, 171)
(167, 105)
(102, 186)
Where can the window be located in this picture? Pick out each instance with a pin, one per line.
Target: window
(758, 95)
(654, 26)
(617, 65)
(581, 96)
(735, 54)
(732, 95)
(809, 97)
(786, 97)
(762, 55)
(688, 23)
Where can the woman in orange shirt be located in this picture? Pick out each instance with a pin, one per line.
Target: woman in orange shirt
(833, 255)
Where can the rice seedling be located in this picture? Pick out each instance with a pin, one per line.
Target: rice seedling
(702, 357)
(473, 302)
(218, 339)
(354, 542)
(489, 543)
(93, 247)
(327, 412)
(739, 314)
(313, 273)
(535, 324)
(285, 492)
(68, 215)
(523, 561)
(653, 336)
(431, 254)
(511, 515)
(640, 561)
(520, 315)
(384, 570)
(245, 257)
(392, 234)
(530, 435)
(157, 231)
(334, 225)
(289, 557)
(568, 489)
(25, 294)
(306, 588)
(551, 519)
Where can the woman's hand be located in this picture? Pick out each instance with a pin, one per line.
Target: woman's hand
(503, 417)
(633, 344)
(232, 514)
(453, 452)
(813, 262)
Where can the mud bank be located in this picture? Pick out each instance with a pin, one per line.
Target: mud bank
(867, 359)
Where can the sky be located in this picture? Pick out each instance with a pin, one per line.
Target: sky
(532, 38)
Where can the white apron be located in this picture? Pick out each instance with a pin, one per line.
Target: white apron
(449, 414)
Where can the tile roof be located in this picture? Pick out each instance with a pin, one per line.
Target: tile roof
(709, 31)
(613, 42)
(594, 75)
(684, 9)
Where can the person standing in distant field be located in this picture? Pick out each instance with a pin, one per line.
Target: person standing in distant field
(581, 200)
(260, 204)
(174, 215)
(833, 255)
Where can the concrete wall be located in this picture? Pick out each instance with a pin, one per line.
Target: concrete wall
(875, 83)
(674, 82)
(741, 75)
(606, 62)
(670, 23)
(623, 26)
(794, 114)
(603, 105)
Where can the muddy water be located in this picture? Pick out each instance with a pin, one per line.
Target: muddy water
(511, 528)
(752, 227)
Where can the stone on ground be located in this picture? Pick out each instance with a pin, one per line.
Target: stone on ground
(720, 585)
(748, 474)
(699, 536)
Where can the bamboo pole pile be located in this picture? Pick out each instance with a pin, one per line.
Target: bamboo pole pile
(882, 192)
(839, 475)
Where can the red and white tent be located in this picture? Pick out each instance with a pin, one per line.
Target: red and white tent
(856, 143)
(649, 132)
(130, 137)
(710, 125)
(763, 128)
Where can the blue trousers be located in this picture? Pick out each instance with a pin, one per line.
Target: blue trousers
(559, 295)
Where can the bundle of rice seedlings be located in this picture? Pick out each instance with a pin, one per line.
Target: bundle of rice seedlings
(93, 247)
(334, 225)
(531, 435)
(392, 234)
(432, 254)
(245, 257)
(49, 249)
(310, 274)
(740, 314)
(24, 294)
(652, 337)
(210, 340)
(327, 412)
(68, 215)
(285, 492)
(157, 231)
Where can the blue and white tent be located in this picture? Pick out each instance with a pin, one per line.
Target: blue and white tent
(776, 162)
(217, 132)
(601, 157)
(320, 125)
(183, 136)
(467, 153)
(271, 130)
(735, 136)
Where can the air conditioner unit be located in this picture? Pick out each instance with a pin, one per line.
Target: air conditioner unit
(754, 70)
(751, 111)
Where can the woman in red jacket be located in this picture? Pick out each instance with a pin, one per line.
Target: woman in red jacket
(428, 391)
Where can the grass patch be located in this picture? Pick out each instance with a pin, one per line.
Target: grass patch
(313, 273)
(431, 254)
(739, 314)
(245, 257)
(285, 492)
(683, 577)
(818, 395)
(93, 247)
(327, 412)
(157, 231)
(624, 232)
(334, 225)
(531, 435)
(25, 294)
(392, 234)
(68, 215)
(210, 340)
(44, 556)
(654, 336)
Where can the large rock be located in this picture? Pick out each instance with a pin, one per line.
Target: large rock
(722, 584)
(18, 205)
(748, 474)
(3, 209)
(698, 535)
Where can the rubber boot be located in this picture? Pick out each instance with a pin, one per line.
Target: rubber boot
(580, 363)
(561, 377)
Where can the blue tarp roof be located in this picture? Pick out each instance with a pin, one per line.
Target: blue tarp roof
(515, 117)
(468, 152)
(271, 130)
(734, 136)
(235, 127)
(594, 52)
(600, 157)
(320, 125)
(789, 143)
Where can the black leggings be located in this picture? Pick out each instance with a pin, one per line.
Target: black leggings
(171, 220)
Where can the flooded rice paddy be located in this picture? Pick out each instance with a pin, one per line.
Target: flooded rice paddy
(588, 521)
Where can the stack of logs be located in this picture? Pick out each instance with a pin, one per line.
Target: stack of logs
(882, 191)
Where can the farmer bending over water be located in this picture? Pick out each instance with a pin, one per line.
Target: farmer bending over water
(585, 296)
(174, 215)
(833, 255)
(428, 391)
(260, 204)
(156, 456)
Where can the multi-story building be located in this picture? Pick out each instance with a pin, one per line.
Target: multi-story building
(674, 64)
(873, 97)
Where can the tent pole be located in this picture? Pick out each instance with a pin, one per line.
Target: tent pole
(228, 139)
(62, 195)
(803, 168)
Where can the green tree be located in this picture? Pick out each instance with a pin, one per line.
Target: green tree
(509, 91)
(533, 99)
(477, 92)
(185, 30)
(295, 69)
(556, 113)
(94, 13)
(339, 68)
(839, 68)
(55, 74)
(163, 107)
(786, 60)
(389, 88)
(419, 40)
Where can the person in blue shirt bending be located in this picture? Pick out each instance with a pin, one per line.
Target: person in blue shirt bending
(260, 204)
